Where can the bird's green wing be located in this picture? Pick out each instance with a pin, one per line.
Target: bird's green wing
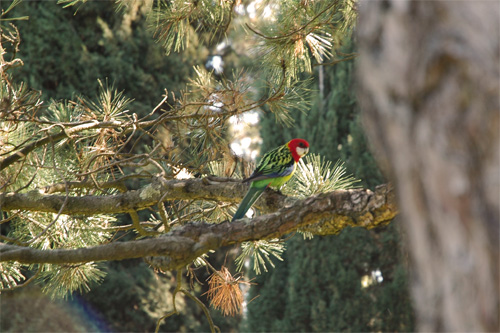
(275, 168)
(276, 163)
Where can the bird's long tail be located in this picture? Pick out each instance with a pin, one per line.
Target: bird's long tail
(252, 195)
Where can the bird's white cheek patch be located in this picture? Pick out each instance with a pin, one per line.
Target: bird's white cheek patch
(302, 151)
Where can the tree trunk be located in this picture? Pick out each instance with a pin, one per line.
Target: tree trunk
(429, 90)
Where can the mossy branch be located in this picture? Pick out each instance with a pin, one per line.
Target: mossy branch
(326, 213)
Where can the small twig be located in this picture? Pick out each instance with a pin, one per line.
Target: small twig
(279, 240)
(211, 267)
(163, 213)
(115, 163)
(213, 328)
(156, 107)
(12, 240)
(15, 156)
(12, 216)
(136, 222)
(125, 227)
(177, 289)
(294, 31)
(117, 183)
(134, 129)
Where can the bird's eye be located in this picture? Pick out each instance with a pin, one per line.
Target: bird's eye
(301, 145)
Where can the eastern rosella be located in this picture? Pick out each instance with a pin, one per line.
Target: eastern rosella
(274, 169)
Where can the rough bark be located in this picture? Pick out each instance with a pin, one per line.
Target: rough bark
(327, 213)
(210, 188)
(429, 84)
(221, 189)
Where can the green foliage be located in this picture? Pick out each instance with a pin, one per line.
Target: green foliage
(175, 22)
(4, 17)
(131, 298)
(260, 253)
(69, 57)
(318, 286)
(97, 43)
(61, 281)
(69, 3)
(64, 56)
(315, 175)
(297, 99)
(50, 231)
(10, 274)
(357, 154)
(302, 31)
(111, 104)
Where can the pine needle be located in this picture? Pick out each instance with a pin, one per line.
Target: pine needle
(224, 292)
(10, 274)
(316, 175)
(261, 252)
(62, 281)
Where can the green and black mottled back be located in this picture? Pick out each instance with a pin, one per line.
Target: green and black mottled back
(275, 163)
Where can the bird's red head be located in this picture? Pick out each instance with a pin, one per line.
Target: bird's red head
(298, 148)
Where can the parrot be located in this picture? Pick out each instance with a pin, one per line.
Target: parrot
(274, 169)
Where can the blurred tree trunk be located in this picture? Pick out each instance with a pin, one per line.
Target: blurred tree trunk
(429, 90)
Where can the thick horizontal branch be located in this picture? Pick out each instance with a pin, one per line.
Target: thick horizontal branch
(210, 188)
(326, 213)
(222, 189)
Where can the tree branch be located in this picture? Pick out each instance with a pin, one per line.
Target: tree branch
(209, 188)
(222, 189)
(326, 213)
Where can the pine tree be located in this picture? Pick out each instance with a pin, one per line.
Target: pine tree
(94, 43)
(94, 177)
(320, 281)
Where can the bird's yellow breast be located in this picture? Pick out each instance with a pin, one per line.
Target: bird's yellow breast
(279, 181)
